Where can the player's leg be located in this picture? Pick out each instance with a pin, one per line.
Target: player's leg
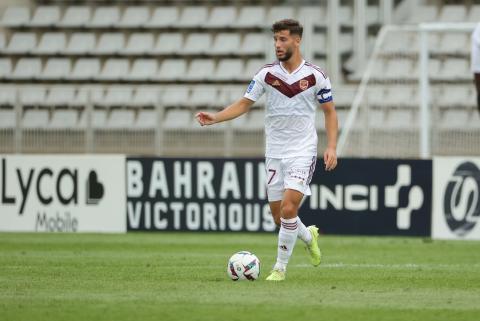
(298, 177)
(275, 209)
(287, 236)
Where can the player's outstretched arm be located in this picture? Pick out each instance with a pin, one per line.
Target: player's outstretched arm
(331, 127)
(236, 109)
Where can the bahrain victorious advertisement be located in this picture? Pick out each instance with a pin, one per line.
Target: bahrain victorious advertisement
(362, 196)
(197, 195)
(76, 193)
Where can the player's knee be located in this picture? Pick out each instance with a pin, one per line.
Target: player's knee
(289, 210)
(276, 219)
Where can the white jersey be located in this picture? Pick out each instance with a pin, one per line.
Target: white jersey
(290, 107)
(475, 54)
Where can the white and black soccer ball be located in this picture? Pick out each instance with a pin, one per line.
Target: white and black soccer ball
(243, 265)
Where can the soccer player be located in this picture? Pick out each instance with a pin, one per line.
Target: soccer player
(475, 61)
(294, 88)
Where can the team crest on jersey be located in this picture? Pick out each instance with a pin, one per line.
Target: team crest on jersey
(303, 84)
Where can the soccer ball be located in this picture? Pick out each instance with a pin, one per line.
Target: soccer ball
(243, 265)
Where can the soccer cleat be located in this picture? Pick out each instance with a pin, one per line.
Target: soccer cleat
(313, 249)
(276, 275)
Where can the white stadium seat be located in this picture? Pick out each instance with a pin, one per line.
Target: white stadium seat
(60, 95)
(163, 17)
(143, 69)
(474, 13)
(51, 43)
(35, 119)
(401, 42)
(252, 67)
(229, 94)
(57, 69)
(81, 43)
(139, 44)
(455, 69)
(105, 17)
(204, 96)
(376, 118)
(7, 118)
(197, 43)
(64, 119)
(226, 43)
(8, 95)
(110, 43)
(85, 69)
(22, 43)
(454, 43)
(27, 68)
(279, 13)
(115, 69)
(99, 118)
(146, 96)
(116, 96)
(254, 44)
(76, 16)
(89, 94)
(146, 119)
(5, 68)
(16, 17)
(455, 119)
(178, 119)
(222, 17)
(135, 17)
(200, 69)
(171, 70)
(192, 17)
(423, 14)
(312, 14)
(3, 42)
(229, 70)
(453, 13)
(121, 119)
(256, 119)
(175, 96)
(32, 95)
(401, 119)
(45, 16)
(251, 16)
(168, 43)
(319, 43)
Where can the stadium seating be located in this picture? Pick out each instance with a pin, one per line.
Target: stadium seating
(145, 66)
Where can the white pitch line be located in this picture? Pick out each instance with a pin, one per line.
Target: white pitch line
(386, 266)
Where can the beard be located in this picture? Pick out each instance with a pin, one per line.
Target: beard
(288, 54)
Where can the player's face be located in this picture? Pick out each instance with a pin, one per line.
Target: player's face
(285, 44)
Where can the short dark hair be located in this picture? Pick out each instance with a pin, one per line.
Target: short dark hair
(291, 25)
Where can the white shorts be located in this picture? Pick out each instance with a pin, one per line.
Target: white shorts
(289, 173)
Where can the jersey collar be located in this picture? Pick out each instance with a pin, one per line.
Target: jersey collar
(293, 72)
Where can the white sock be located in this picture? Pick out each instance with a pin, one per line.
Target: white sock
(303, 233)
(287, 236)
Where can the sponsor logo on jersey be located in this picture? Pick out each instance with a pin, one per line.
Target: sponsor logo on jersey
(276, 83)
(250, 86)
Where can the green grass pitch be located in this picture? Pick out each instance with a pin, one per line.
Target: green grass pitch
(182, 276)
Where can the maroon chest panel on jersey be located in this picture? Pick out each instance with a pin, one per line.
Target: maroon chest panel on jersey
(293, 89)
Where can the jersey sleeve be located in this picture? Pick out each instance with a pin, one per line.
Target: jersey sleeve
(256, 88)
(324, 93)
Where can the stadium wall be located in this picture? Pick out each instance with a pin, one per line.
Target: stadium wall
(86, 193)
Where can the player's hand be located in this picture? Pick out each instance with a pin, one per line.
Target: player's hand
(205, 118)
(330, 159)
